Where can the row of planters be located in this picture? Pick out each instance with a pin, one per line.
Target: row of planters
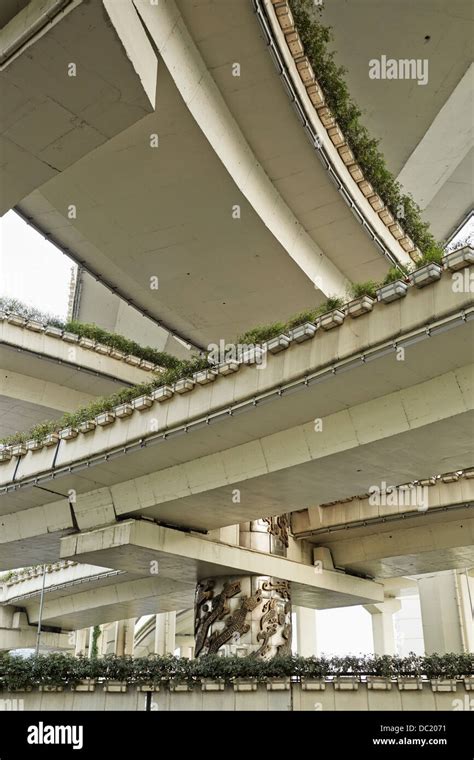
(89, 335)
(58, 671)
(309, 43)
(276, 337)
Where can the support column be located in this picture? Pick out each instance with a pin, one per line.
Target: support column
(125, 637)
(165, 633)
(82, 641)
(446, 613)
(305, 631)
(243, 615)
(382, 625)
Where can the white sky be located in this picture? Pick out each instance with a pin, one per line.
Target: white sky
(31, 269)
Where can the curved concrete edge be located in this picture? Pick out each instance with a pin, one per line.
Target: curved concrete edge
(376, 226)
(206, 104)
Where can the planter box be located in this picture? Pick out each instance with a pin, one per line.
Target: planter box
(142, 402)
(209, 684)
(15, 319)
(87, 426)
(294, 43)
(285, 18)
(43, 687)
(147, 687)
(205, 376)
(392, 292)
(115, 686)
(146, 365)
(366, 188)
(228, 368)
(68, 434)
(326, 117)
(459, 259)
(356, 172)
(386, 217)
(54, 332)
(376, 202)
(51, 439)
(162, 394)
(180, 687)
(280, 343)
(123, 410)
(87, 685)
(19, 449)
(87, 343)
(469, 683)
(242, 685)
(34, 445)
(32, 324)
(337, 138)
(106, 418)
(425, 275)
(184, 385)
(346, 154)
(252, 355)
(101, 348)
(346, 683)
(443, 684)
(133, 360)
(360, 306)
(407, 243)
(303, 332)
(116, 354)
(315, 94)
(396, 231)
(331, 319)
(450, 477)
(379, 683)
(313, 684)
(305, 71)
(71, 337)
(468, 473)
(278, 684)
(405, 683)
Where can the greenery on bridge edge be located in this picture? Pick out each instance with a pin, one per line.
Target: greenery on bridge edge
(316, 39)
(66, 670)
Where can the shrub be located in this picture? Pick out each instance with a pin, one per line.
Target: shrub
(316, 39)
(359, 289)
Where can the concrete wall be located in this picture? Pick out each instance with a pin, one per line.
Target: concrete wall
(315, 696)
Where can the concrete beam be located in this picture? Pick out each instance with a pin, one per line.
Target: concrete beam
(141, 547)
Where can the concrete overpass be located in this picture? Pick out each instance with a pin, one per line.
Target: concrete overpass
(425, 527)
(381, 419)
(292, 220)
(46, 372)
(431, 151)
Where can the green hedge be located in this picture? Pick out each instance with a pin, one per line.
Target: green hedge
(92, 331)
(66, 670)
(316, 39)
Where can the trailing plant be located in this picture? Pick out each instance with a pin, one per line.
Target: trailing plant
(96, 631)
(316, 39)
(261, 334)
(64, 669)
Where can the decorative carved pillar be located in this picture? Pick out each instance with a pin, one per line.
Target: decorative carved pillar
(270, 535)
(242, 616)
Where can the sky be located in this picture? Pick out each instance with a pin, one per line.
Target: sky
(31, 268)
